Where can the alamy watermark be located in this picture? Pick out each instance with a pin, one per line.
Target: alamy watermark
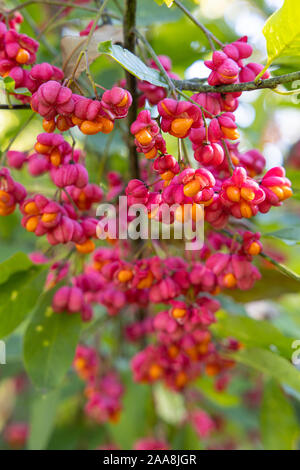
(159, 221)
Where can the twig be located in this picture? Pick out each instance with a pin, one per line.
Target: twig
(194, 85)
(24, 125)
(50, 2)
(84, 51)
(284, 269)
(157, 62)
(129, 43)
(210, 36)
(195, 102)
(227, 154)
(39, 33)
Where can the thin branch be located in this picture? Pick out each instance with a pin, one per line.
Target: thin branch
(157, 61)
(228, 157)
(195, 102)
(84, 50)
(50, 2)
(210, 36)
(129, 43)
(284, 269)
(194, 85)
(13, 107)
(197, 86)
(39, 33)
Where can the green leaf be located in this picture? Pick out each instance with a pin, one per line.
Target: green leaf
(279, 427)
(222, 399)
(131, 63)
(282, 32)
(252, 333)
(9, 86)
(42, 419)
(49, 343)
(272, 285)
(18, 297)
(289, 234)
(16, 263)
(270, 364)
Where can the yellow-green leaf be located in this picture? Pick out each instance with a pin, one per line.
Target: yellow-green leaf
(169, 3)
(282, 32)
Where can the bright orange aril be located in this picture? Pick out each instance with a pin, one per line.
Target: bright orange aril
(107, 126)
(230, 133)
(247, 194)
(232, 77)
(178, 312)
(6, 210)
(62, 124)
(146, 282)
(246, 210)
(278, 191)
(31, 208)
(49, 217)
(202, 348)
(143, 137)
(173, 351)
(192, 188)
(287, 192)
(254, 249)
(125, 275)
(114, 417)
(4, 197)
(229, 280)
(76, 121)
(155, 371)
(181, 379)
(124, 101)
(90, 127)
(181, 126)
(192, 353)
(49, 126)
(167, 175)
(32, 223)
(151, 154)
(23, 56)
(207, 203)
(55, 158)
(86, 247)
(233, 193)
(235, 160)
(80, 363)
(212, 369)
(41, 148)
(165, 109)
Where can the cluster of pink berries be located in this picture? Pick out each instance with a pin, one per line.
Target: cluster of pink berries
(227, 65)
(103, 388)
(63, 109)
